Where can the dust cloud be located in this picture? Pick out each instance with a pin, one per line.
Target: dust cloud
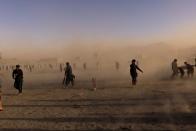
(99, 59)
(155, 59)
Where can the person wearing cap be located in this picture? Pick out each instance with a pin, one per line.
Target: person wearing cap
(133, 71)
(17, 75)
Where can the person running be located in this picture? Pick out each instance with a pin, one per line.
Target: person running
(17, 75)
(133, 71)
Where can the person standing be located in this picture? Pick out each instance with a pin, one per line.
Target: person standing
(117, 65)
(61, 67)
(17, 75)
(69, 77)
(1, 83)
(84, 66)
(195, 62)
(133, 71)
(174, 68)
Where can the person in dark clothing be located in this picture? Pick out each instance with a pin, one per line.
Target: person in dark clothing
(69, 76)
(50, 65)
(117, 65)
(190, 69)
(61, 67)
(84, 66)
(181, 71)
(195, 62)
(133, 71)
(174, 68)
(18, 76)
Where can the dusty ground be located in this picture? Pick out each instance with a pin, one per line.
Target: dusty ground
(45, 105)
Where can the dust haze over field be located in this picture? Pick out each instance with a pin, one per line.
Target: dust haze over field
(156, 103)
(99, 38)
(154, 58)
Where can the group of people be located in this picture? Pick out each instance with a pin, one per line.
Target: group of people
(17, 75)
(181, 69)
(70, 77)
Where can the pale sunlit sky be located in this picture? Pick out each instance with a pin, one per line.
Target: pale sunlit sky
(44, 22)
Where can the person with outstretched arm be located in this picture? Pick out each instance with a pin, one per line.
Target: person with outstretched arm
(133, 71)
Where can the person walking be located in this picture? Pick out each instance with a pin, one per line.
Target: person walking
(17, 75)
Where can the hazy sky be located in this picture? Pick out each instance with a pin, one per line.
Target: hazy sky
(42, 22)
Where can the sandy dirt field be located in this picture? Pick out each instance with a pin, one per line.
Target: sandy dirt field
(116, 106)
